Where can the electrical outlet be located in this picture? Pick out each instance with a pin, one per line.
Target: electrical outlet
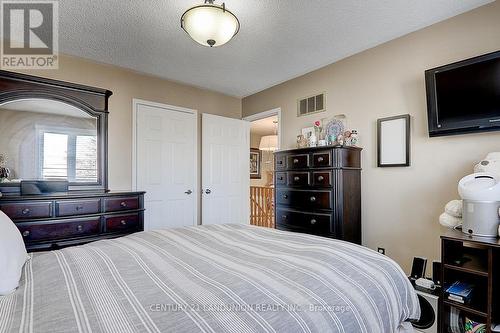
(381, 250)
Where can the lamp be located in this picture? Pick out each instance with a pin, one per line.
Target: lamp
(210, 24)
(268, 143)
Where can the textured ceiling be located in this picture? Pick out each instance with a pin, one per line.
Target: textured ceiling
(278, 40)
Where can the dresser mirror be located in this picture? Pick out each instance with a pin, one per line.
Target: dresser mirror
(42, 139)
(52, 131)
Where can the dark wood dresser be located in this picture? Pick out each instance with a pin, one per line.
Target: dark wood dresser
(49, 222)
(318, 191)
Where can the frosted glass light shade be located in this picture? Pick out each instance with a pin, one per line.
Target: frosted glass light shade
(269, 143)
(210, 24)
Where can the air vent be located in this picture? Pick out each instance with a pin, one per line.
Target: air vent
(311, 104)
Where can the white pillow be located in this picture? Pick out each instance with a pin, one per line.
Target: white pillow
(13, 255)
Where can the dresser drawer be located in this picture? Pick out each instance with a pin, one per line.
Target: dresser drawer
(304, 199)
(280, 162)
(322, 159)
(316, 223)
(322, 178)
(34, 231)
(280, 178)
(298, 179)
(78, 207)
(27, 210)
(299, 161)
(122, 223)
(118, 204)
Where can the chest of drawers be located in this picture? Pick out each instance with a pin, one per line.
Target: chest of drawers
(51, 222)
(318, 191)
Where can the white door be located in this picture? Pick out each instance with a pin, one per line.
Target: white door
(166, 159)
(225, 170)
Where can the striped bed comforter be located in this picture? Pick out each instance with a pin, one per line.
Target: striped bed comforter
(224, 278)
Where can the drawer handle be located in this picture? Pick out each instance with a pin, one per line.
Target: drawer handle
(313, 199)
(123, 204)
(280, 162)
(296, 178)
(284, 217)
(285, 196)
(79, 228)
(295, 161)
(123, 222)
(78, 208)
(280, 178)
(26, 211)
(313, 221)
(26, 233)
(321, 178)
(320, 159)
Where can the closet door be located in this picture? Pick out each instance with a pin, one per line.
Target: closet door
(225, 170)
(166, 164)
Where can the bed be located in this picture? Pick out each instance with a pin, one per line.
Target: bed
(218, 278)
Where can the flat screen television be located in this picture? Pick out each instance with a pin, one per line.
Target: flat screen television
(464, 97)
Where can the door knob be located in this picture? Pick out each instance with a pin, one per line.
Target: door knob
(208, 191)
(188, 192)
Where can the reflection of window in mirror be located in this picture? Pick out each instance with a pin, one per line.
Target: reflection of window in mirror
(67, 153)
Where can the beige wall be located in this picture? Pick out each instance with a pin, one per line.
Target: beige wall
(126, 85)
(400, 205)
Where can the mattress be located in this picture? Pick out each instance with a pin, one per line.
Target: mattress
(217, 278)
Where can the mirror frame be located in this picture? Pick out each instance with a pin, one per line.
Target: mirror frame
(94, 101)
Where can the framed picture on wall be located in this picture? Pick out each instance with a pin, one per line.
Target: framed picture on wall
(393, 141)
(255, 163)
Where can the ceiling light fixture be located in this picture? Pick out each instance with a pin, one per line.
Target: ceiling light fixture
(210, 24)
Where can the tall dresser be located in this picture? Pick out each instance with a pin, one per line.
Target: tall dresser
(318, 191)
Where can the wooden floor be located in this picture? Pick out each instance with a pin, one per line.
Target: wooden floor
(262, 206)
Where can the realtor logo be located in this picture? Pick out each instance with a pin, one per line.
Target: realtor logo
(29, 35)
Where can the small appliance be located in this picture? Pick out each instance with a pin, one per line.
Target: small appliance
(480, 193)
(429, 303)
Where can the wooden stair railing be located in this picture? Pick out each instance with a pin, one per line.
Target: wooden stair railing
(262, 206)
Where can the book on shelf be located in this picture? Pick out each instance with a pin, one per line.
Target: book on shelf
(460, 292)
(456, 299)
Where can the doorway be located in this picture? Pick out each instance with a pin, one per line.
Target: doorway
(264, 141)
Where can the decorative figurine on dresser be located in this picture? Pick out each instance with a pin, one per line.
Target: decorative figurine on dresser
(318, 191)
(55, 135)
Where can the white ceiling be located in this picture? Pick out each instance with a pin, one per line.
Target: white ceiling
(278, 40)
(264, 126)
